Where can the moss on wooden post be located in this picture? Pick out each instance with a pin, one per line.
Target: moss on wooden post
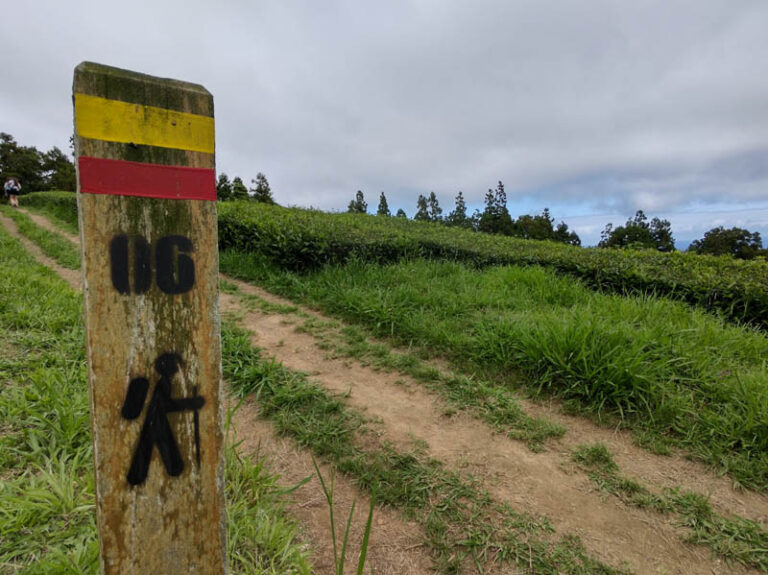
(147, 211)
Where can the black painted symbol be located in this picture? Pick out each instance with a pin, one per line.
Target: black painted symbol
(156, 431)
(119, 249)
(174, 268)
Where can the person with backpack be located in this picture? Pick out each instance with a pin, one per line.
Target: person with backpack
(12, 188)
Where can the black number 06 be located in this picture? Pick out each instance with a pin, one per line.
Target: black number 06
(174, 269)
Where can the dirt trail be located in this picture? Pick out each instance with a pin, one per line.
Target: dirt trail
(657, 470)
(44, 222)
(540, 483)
(73, 277)
(395, 546)
(544, 483)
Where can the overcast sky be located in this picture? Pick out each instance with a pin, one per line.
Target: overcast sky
(593, 108)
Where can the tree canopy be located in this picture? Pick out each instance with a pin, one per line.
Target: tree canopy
(637, 233)
(51, 170)
(239, 191)
(495, 218)
(358, 205)
(223, 188)
(261, 192)
(458, 217)
(383, 209)
(230, 190)
(422, 210)
(736, 242)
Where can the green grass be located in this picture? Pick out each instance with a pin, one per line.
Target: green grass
(733, 538)
(61, 207)
(462, 525)
(262, 538)
(479, 398)
(47, 521)
(47, 515)
(53, 245)
(669, 372)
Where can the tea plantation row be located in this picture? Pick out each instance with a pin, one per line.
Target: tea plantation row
(300, 239)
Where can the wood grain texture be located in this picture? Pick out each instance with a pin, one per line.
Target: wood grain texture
(165, 524)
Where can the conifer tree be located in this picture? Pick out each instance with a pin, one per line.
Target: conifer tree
(401, 213)
(261, 192)
(358, 205)
(223, 188)
(383, 209)
(434, 208)
(458, 217)
(422, 210)
(495, 219)
(239, 191)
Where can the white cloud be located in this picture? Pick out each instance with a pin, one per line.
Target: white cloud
(611, 105)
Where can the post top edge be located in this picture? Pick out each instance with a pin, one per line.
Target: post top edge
(87, 67)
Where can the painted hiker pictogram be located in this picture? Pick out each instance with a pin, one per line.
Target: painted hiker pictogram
(156, 431)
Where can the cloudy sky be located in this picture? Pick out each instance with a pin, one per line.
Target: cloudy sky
(593, 108)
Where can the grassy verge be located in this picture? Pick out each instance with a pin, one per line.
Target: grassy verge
(52, 244)
(733, 538)
(47, 516)
(675, 375)
(59, 206)
(479, 398)
(463, 526)
(47, 521)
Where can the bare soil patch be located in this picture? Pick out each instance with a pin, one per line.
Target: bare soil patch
(395, 545)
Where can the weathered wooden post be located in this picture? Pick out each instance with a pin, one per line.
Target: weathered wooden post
(147, 211)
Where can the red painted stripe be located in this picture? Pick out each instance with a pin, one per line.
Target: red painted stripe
(122, 178)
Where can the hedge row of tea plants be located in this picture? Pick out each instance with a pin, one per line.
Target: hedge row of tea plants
(299, 240)
(303, 239)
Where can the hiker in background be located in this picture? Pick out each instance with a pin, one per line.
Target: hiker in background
(12, 188)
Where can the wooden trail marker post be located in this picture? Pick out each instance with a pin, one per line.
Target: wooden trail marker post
(147, 212)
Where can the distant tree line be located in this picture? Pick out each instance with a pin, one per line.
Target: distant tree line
(36, 170)
(54, 170)
(227, 191)
(636, 233)
(494, 219)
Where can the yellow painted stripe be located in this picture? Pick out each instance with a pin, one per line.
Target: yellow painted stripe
(114, 121)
